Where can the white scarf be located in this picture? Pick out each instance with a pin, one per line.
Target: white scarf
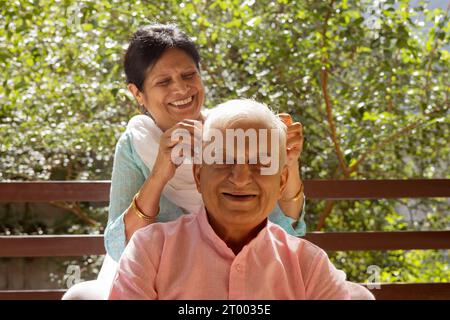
(181, 189)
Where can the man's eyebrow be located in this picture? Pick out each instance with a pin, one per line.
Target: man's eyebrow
(222, 150)
(260, 156)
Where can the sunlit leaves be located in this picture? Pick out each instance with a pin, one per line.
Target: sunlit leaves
(63, 99)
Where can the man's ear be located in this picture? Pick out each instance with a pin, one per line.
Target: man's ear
(196, 171)
(283, 179)
(136, 93)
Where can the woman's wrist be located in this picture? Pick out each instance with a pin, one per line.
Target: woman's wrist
(292, 197)
(149, 217)
(144, 203)
(156, 182)
(296, 197)
(294, 185)
(295, 166)
(147, 199)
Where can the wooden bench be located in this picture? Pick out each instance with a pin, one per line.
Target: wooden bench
(98, 191)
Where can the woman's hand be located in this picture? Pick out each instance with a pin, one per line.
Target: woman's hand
(290, 204)
(294, 139)
(165, 167)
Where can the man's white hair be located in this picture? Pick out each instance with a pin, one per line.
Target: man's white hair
(225, 114)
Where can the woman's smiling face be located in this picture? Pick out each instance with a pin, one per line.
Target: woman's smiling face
(173, 89)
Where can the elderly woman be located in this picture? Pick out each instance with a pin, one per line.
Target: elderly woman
(229, 249)
(163, 74)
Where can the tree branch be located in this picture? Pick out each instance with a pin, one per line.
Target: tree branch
(334, 138)
(324, 86)
(383, 143)
(75, 209)
(329, 205)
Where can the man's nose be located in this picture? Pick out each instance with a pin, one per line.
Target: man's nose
(241, 175)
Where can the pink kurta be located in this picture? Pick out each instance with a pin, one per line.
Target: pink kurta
(185, 259)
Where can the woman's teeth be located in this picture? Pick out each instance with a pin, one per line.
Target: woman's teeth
(182, 102)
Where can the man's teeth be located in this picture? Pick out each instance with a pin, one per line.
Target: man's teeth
(182, 102)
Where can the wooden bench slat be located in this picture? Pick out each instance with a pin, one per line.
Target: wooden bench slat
(79, 245)
(412, 291)
(46, 191)
(51, 294)
(51, 246)
(387, 291)
(377, 189)
(380, 240)
(98, 191)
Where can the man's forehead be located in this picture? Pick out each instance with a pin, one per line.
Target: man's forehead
(243, 122)
(245, 149)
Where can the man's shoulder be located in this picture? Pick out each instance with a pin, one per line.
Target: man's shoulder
(294, 243)
(167, 229)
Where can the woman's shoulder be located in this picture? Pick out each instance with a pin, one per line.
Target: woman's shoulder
(142, 126)
(140, 121)
(143, 132)
(126, 157)
(139, 128)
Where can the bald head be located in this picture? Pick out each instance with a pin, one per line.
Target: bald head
(244, 124)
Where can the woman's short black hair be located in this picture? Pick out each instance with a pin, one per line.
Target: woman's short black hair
(148, 44)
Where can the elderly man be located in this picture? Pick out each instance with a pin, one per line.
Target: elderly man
(229, 250)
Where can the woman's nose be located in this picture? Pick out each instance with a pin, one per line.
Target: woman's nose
(180, 86)
(240, 175)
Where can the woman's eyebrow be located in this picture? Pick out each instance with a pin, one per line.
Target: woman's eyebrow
(159, 76)
(168, 75)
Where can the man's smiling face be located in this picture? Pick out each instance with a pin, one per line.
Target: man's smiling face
(238, 194)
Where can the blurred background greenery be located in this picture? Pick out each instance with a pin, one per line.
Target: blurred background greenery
(369, 80)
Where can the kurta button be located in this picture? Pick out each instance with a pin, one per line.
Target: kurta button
(238, 267)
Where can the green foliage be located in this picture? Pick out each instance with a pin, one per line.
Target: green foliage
(384, 68)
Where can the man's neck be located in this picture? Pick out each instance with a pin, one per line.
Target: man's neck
(236, 237)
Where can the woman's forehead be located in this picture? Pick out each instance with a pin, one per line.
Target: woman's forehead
(171, 59)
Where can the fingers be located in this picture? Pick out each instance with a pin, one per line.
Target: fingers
(189, 125)
(286, 118)
(294, 137)
(291, 125)
(185, 136)
(296, 126)
(295, 132)
(174, 135)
